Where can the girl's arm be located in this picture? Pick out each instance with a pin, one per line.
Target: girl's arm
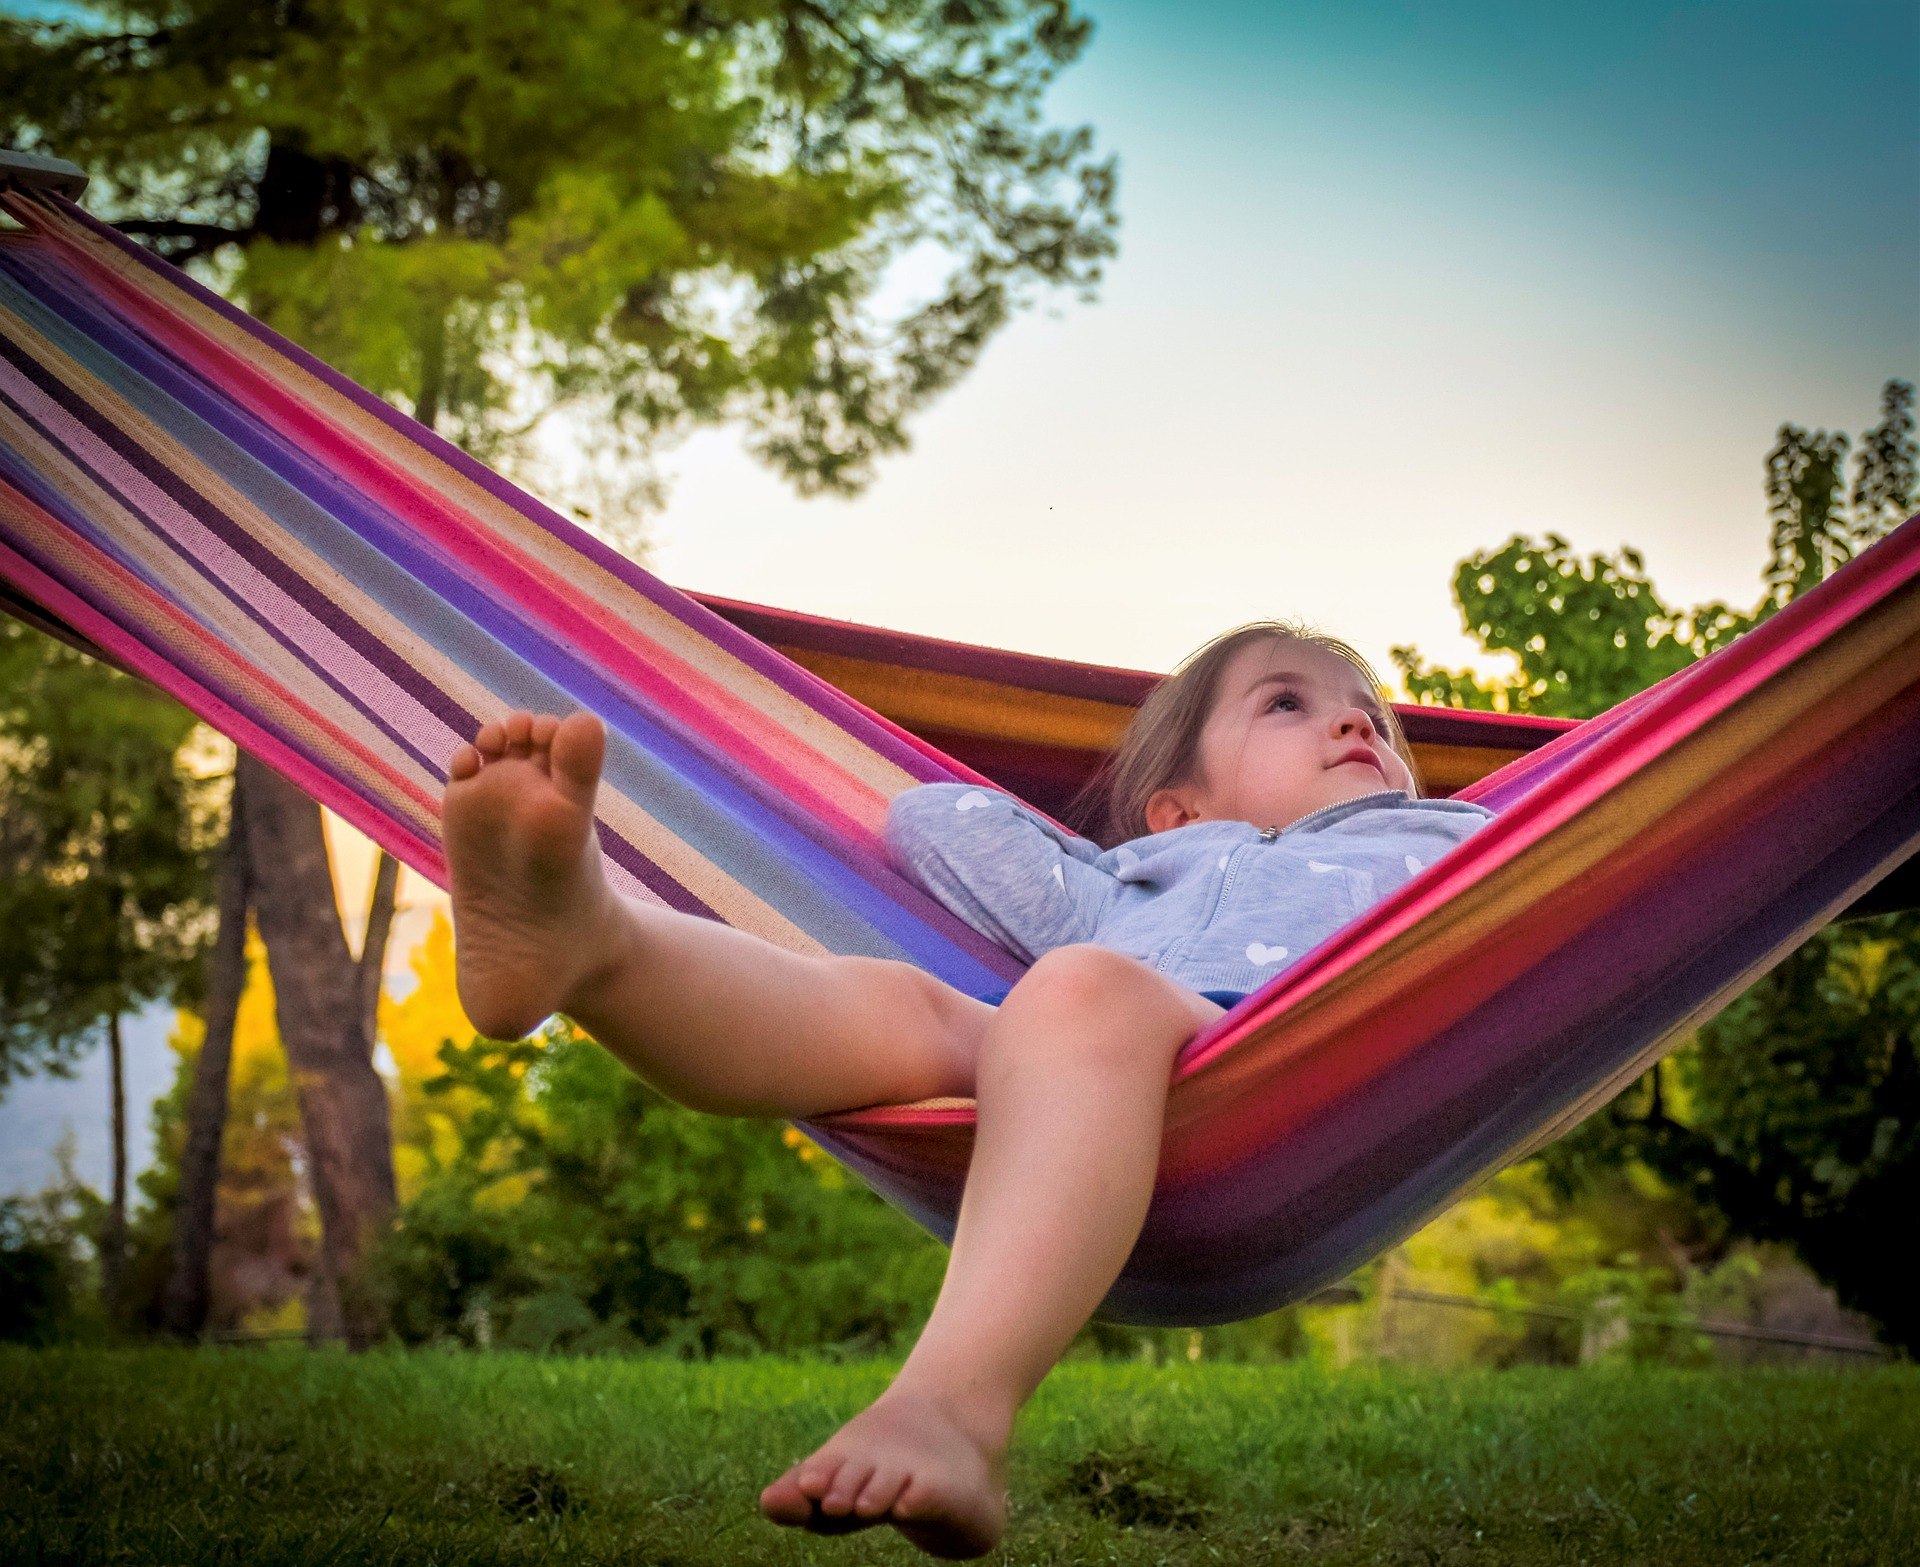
(1009, 873)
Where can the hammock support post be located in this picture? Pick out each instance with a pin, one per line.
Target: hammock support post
(34, 172)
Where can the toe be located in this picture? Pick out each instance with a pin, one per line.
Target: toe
(879, 1494)
(815, 1476)
(464, 764)
(846, 1487)
(519, 734)
(784, 1501)
(579, 749)
(544, 724)
(491, 741)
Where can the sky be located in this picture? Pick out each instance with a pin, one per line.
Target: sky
(1396, 280)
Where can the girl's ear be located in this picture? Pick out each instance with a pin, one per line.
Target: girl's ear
(1168, 809)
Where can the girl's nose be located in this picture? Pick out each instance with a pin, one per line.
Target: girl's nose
(1351, 719)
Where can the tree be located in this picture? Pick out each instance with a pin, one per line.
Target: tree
(1584, 634)
(185, 1301)
(105, 832)
(317, 990)
(1815, 532)
(1795, 1115)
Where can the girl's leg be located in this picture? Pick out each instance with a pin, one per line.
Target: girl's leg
(713, 1017)
(1071, 1081)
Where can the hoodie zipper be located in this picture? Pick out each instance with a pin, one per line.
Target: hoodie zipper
(1358, 799)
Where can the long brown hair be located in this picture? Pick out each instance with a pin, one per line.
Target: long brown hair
(1161, 744)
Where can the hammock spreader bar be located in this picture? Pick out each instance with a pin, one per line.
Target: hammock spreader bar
(345, 595)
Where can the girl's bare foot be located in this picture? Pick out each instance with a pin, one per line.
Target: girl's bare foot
(531, 908)
(906, 1461)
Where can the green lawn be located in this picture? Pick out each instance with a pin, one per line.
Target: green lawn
(263, 1457)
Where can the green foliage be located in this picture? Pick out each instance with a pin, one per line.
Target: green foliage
(1585, 633)
(580, 1210)
(45, 1285)
(105, 833)
(277, 1459)
(1814, 532)
(666, 214)
(1795, 1117)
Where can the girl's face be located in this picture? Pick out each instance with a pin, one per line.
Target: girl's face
(1293, 729)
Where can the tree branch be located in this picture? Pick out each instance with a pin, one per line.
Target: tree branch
(203, 238)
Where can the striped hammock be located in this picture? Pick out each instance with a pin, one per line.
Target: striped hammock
(347, 596)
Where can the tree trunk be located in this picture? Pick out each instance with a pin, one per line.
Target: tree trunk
(373, 945)
(188, 1295)
(113, 1236)
(343, 1103)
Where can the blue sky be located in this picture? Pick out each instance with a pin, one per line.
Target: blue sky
(1396, 280)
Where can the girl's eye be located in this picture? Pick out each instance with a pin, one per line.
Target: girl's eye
(1283, 698)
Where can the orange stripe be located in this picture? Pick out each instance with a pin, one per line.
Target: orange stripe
(923, 700)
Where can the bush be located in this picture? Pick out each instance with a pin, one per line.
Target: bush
(576, 1209)
(44, 1285)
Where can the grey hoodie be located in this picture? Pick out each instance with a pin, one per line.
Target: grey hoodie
(1214, 905)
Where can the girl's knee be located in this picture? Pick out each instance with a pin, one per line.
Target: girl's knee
(1108, 988)
(1080, 975)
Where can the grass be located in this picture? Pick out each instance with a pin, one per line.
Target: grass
(267, 1457)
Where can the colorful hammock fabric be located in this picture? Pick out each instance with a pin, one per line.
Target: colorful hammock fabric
(346, 596)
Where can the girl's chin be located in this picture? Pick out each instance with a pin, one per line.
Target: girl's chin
(1356, 782)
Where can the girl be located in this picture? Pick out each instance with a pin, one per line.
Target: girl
(1266, 797)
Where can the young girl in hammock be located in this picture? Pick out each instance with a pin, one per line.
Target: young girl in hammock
(1265, 797)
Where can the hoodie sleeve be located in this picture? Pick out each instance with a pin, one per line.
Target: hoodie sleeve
(1008, 872)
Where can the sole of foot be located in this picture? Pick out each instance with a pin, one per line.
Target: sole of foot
(530, 901)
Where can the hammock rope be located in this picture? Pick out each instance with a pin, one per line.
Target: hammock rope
(346, 596)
